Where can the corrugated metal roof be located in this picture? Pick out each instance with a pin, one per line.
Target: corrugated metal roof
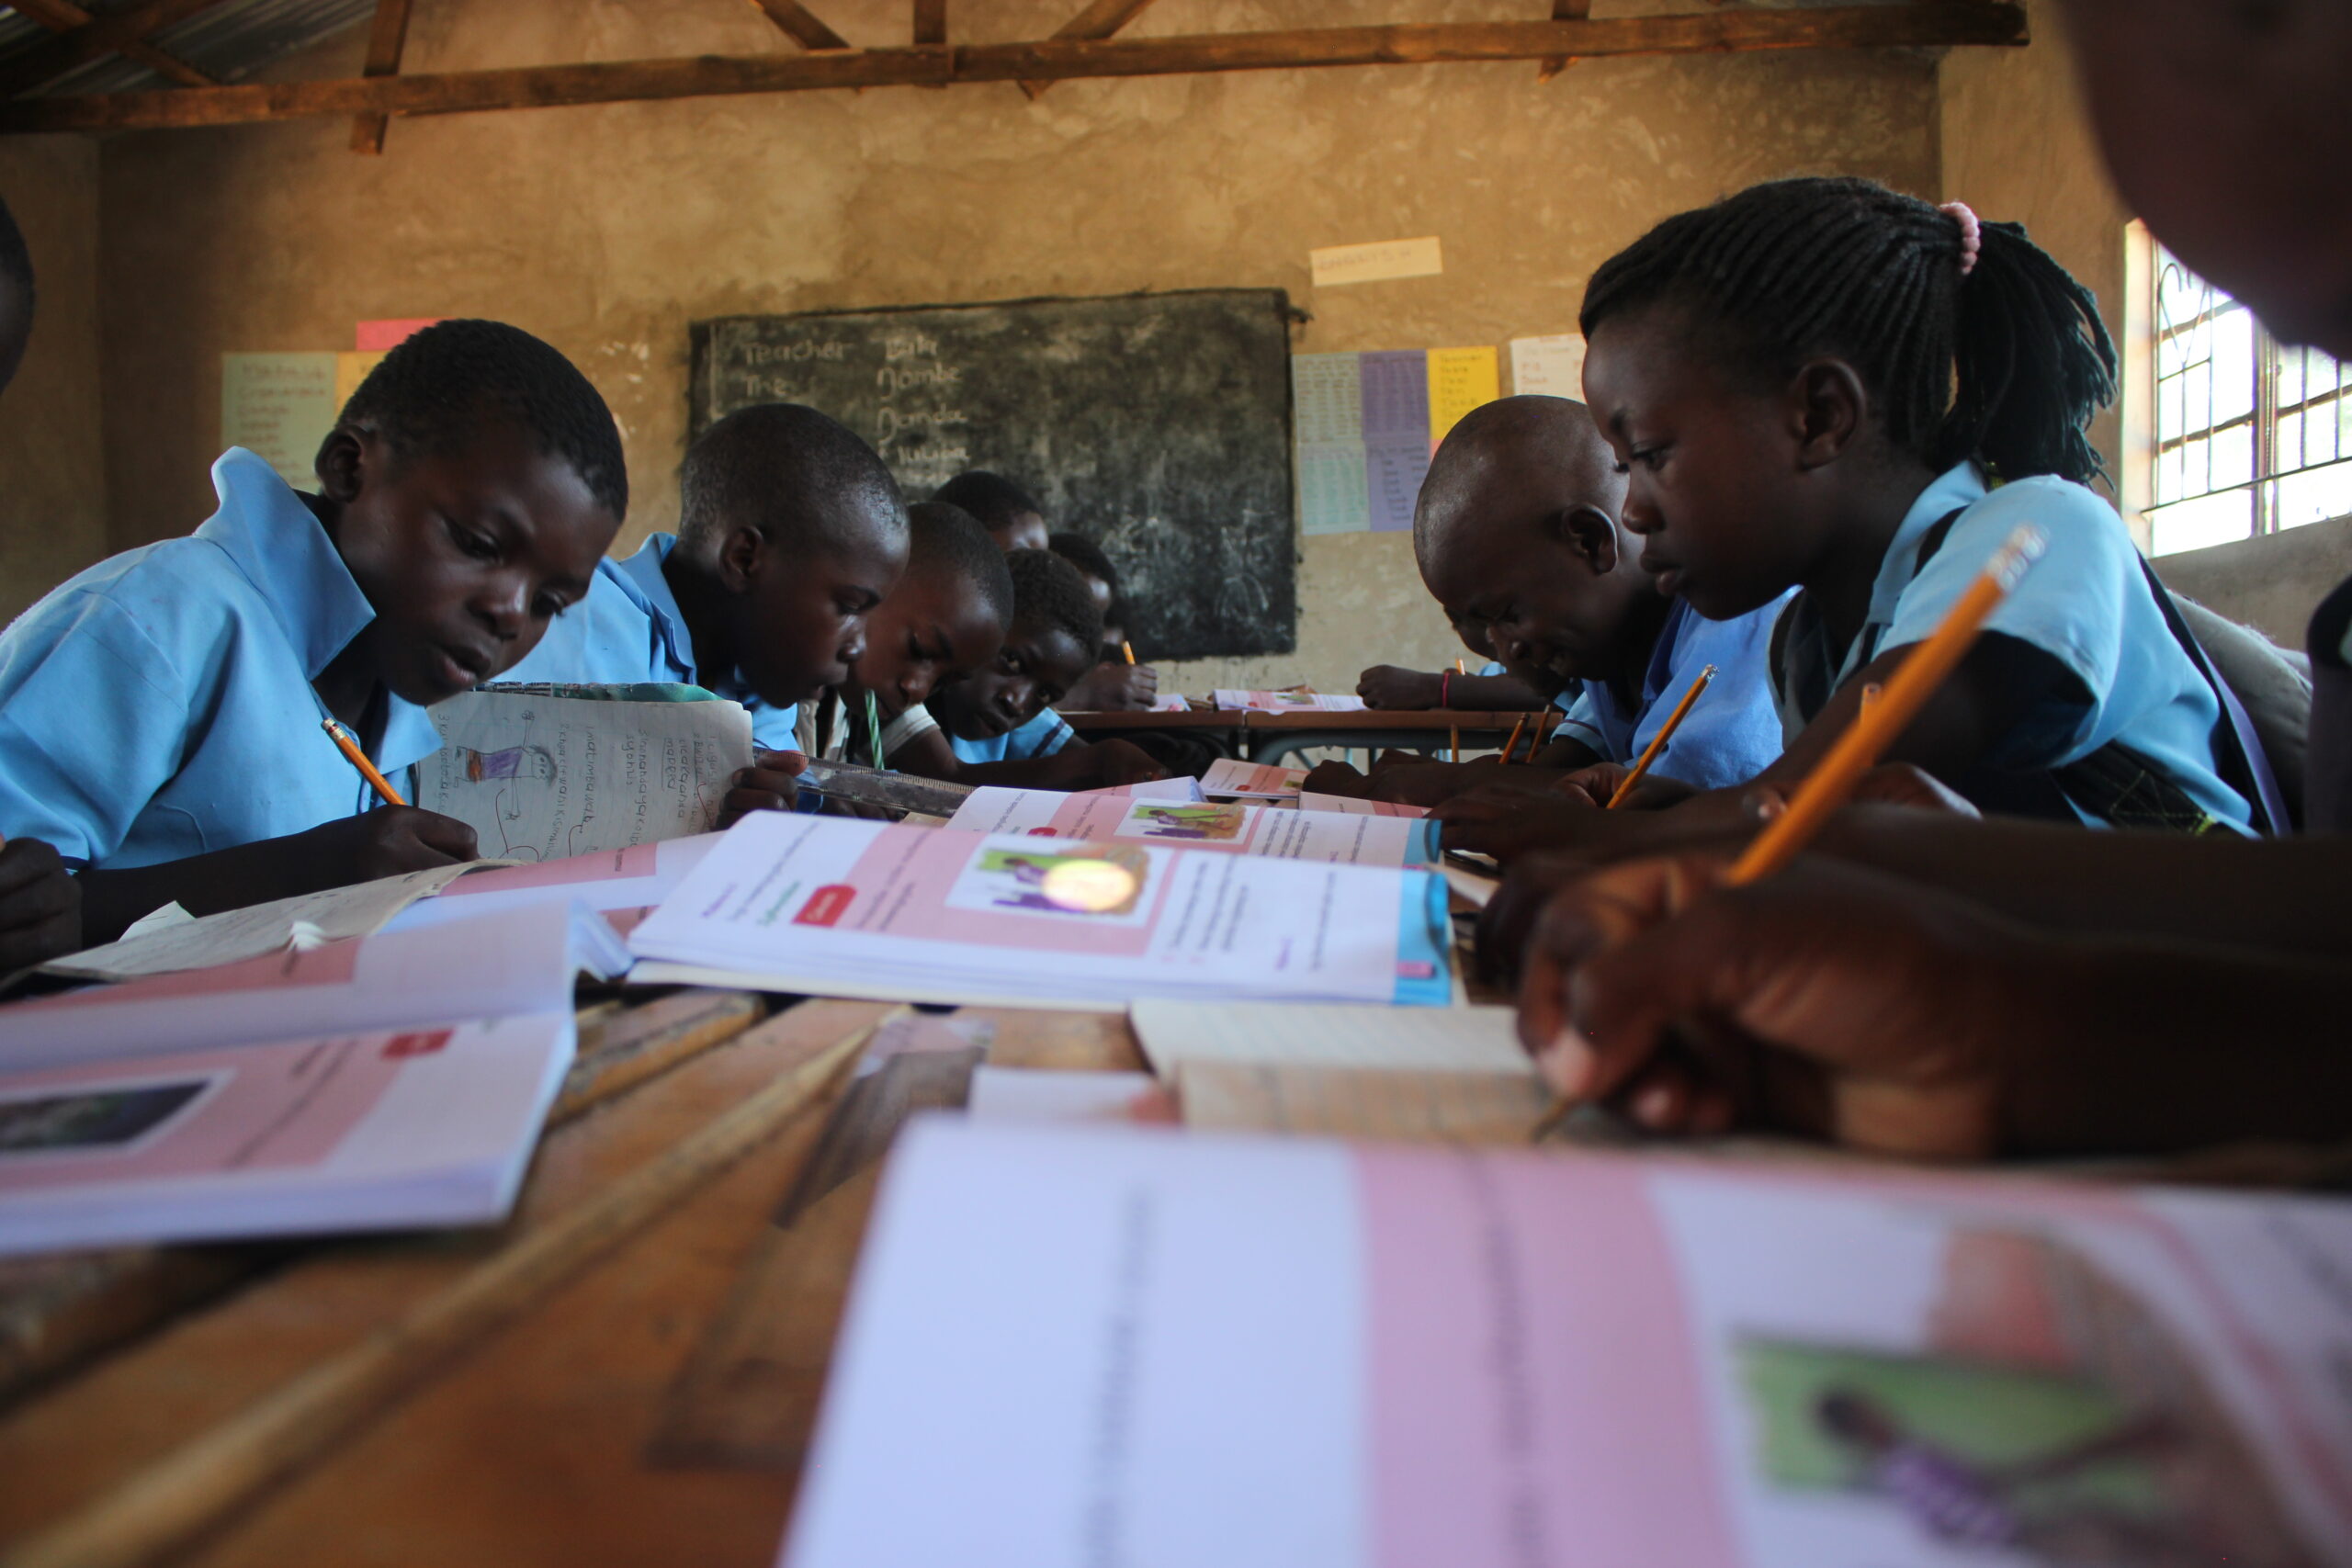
(229, 41)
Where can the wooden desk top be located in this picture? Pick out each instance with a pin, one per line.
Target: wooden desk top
(552, 1438)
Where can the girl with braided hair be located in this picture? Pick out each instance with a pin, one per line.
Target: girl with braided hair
(1827, 385)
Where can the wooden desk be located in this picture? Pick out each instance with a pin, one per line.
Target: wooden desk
(544, 1441)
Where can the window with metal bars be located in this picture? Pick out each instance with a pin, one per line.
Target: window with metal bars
(2251, 435)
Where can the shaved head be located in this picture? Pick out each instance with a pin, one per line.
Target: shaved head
(1511, 443)
(1517, 535)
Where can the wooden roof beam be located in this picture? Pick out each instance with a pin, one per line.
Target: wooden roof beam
(121, 32)
(801, 24)
(1103, 19)
(387, 36)
(1928, 24)
(63, 16)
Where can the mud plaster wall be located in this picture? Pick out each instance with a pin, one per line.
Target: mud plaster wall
(52, 463)
(2018, 148)
(606, 230)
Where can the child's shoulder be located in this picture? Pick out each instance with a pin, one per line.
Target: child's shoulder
(2081, 529)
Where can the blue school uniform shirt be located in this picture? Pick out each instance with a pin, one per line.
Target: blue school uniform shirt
(1041, 737)
(1731, 734)
(2085, 603)
(159, 704)
(630, 629)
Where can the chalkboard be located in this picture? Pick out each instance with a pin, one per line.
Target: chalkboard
(1156, 424)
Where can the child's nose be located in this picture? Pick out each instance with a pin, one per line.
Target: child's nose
(853, 647)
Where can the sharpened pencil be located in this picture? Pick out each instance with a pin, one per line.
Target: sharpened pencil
(1657, 742)
(358, 759)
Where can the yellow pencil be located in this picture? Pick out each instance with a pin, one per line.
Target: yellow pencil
(1453, 735)
(1516, 730)
(358, 759)
(1880, 721)
(1657, 742)
(1128, 648)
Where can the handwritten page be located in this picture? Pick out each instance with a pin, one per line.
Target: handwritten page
(1396, 435)
(1461, 1039)
(235, 934)
(1327, 399)
(1335, 1354)
(1354, 1102)
(1550, 367)
(279, 407)
(1212, 827)
(1460, 379)
(543, 778)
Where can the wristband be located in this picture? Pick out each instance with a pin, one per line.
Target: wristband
(1445, 689)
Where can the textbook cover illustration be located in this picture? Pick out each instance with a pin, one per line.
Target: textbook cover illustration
(829, 907)
(1366, 1355)
(1220, 827)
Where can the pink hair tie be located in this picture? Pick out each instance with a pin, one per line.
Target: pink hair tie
(1971, 234)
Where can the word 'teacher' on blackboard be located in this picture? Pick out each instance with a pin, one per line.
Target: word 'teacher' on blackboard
(1156, 424)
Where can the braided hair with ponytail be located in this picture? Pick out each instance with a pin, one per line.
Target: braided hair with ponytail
(1972, 341)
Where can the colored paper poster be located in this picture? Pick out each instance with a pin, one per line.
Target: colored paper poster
(1460, 379)
(351, 368)
(1549, 366)
(1327, 415)
(1396, 435)
(375, 337)
(1376, 261)
(279, 407)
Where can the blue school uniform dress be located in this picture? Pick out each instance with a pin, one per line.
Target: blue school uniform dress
(1041, 737)
(159, 704)
(630, 629)
(1731, 734)
(2135, 748)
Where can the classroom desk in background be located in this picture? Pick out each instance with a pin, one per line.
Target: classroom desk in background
(1272, 736)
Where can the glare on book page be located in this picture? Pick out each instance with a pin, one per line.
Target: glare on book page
(1091, 887)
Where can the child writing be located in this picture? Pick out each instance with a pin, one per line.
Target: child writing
(1115, 685)
(2011, 987)
(41, 905)
(944, 620)
(1519, 536)
(160, 714)
(997, 725)
(1816, 383)
(790, 533)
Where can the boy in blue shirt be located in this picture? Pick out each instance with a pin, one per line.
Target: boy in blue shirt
(160, 714)
(1518, 535)
(998, 722)
(790, 532)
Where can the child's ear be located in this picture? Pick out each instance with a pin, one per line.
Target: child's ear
(1827, 408)
(742, 557)
(1592, 535)
(343, 463)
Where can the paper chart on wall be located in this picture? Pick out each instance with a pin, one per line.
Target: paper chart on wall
(543, 778)
(1551, 366)
(279, 407)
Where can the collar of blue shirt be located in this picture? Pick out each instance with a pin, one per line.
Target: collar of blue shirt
(275, 540)
(1954, 488)
(641, 578)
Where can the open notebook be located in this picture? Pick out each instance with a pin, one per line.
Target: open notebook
(1086, 1345)
(845, 908)
(392, 1080)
